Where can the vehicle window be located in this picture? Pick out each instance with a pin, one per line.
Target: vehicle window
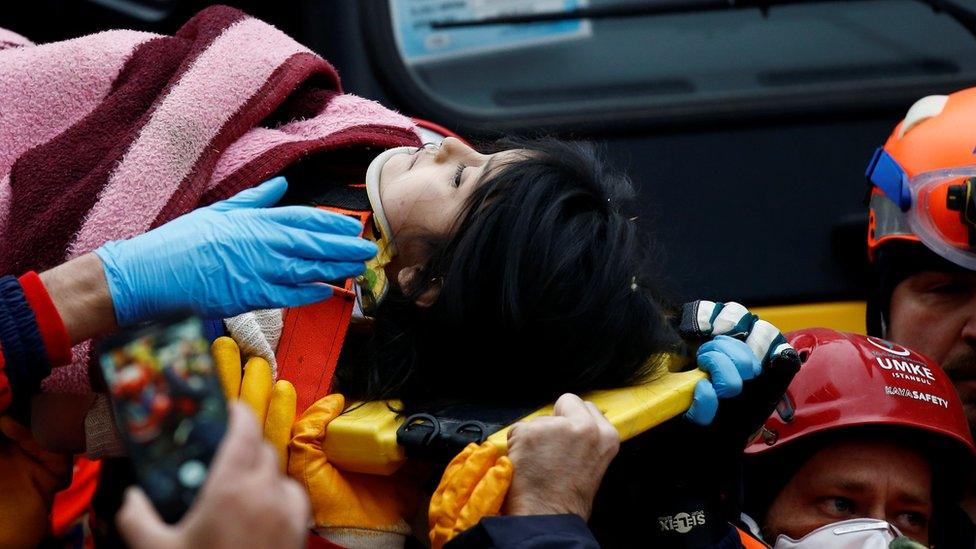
(693, 64)
(143, 10)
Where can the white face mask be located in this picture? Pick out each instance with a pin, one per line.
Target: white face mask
(848, 534)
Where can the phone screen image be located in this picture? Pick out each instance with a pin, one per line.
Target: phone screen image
(169, 406)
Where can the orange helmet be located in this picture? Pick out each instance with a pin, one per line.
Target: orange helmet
(923, 179)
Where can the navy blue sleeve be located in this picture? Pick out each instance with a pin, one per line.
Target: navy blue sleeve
(528, 532)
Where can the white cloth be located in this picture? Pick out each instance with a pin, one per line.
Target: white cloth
(361, 538)
(102, 439)
(257, 334)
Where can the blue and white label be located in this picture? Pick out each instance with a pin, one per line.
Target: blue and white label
(419, 42)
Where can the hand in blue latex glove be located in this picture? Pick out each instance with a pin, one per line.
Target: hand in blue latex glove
(234, 256)
(742, 345)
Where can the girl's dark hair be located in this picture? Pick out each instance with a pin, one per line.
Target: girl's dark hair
(543, 289)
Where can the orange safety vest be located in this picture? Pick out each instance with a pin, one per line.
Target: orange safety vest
(71, 504)
(750, 542)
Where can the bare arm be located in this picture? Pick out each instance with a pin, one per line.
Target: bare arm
(80, 293)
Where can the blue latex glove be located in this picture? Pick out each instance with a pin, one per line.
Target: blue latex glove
(741, 346)
(234, 256)
(728, 362)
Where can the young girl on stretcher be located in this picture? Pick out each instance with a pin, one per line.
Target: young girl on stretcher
(513, 276)
(518, 274)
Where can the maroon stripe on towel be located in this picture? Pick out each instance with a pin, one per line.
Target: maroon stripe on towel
(305, 102)
(54, 185)
(297, 69)
(275, 160)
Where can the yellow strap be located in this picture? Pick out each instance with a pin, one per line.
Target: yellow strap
(364, 438)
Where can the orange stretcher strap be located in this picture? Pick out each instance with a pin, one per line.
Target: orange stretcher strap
(312, 337)
(71, 504)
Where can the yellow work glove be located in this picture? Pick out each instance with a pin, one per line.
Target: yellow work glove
(273, 402)
(29, 478)
(351, 509)
(473, 486)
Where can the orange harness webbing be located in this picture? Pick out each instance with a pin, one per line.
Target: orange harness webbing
(312, 337)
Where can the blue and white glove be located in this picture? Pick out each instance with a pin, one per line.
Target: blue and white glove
(234, 256)
(738, 347)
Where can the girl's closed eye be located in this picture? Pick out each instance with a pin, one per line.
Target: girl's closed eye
(457, 174)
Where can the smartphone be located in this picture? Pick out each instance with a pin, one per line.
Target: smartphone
(169, 407)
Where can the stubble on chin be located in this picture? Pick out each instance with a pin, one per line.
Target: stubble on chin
(961, 368)
(969, 406)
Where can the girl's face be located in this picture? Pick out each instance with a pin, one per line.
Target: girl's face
(424, 193)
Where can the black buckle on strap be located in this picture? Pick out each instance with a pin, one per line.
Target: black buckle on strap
(439, 438)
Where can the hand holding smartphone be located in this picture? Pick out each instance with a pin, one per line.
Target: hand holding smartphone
(169, 406)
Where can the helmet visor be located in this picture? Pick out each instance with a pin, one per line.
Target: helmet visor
(943, 213)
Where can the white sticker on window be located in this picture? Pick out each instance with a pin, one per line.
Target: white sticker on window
(419, 41)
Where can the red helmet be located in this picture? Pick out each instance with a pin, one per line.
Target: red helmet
(850, 380)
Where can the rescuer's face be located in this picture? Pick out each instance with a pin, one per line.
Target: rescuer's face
(855, 479)
(934, 313)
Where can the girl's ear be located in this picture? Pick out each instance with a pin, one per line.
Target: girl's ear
(407, 277)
